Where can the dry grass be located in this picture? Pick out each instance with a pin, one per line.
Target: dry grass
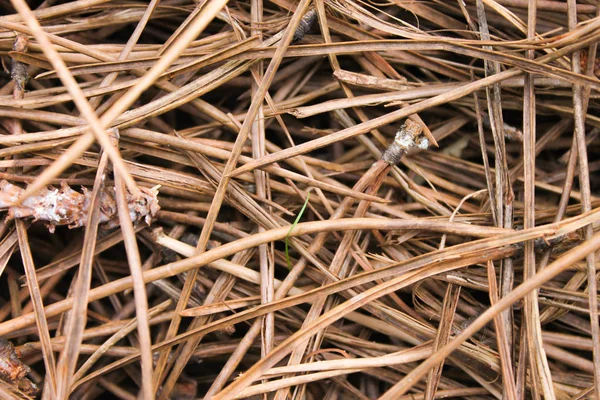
(466, 269)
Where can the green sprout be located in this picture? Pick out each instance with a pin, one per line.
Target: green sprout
(287, 254)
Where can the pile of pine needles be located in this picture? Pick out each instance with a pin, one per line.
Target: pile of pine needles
(209, 199)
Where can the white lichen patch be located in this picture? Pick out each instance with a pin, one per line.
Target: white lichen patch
(407, 138)
(49, 210)
(423, 144)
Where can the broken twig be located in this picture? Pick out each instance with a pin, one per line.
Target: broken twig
(66, 206)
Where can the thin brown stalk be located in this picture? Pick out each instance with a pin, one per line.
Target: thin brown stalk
(139, 289)
(448, 309)
(38, 306)
(504, 348)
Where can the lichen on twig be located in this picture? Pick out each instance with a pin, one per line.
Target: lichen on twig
(65, 206)
(407, 138)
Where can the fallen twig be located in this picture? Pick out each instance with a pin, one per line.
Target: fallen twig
(66, 206)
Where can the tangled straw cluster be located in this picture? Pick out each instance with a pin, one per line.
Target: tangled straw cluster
(469, 269)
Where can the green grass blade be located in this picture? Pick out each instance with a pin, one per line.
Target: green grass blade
(287, 254)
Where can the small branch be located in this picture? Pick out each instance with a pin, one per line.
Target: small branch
(66, 206)
(407, 138)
